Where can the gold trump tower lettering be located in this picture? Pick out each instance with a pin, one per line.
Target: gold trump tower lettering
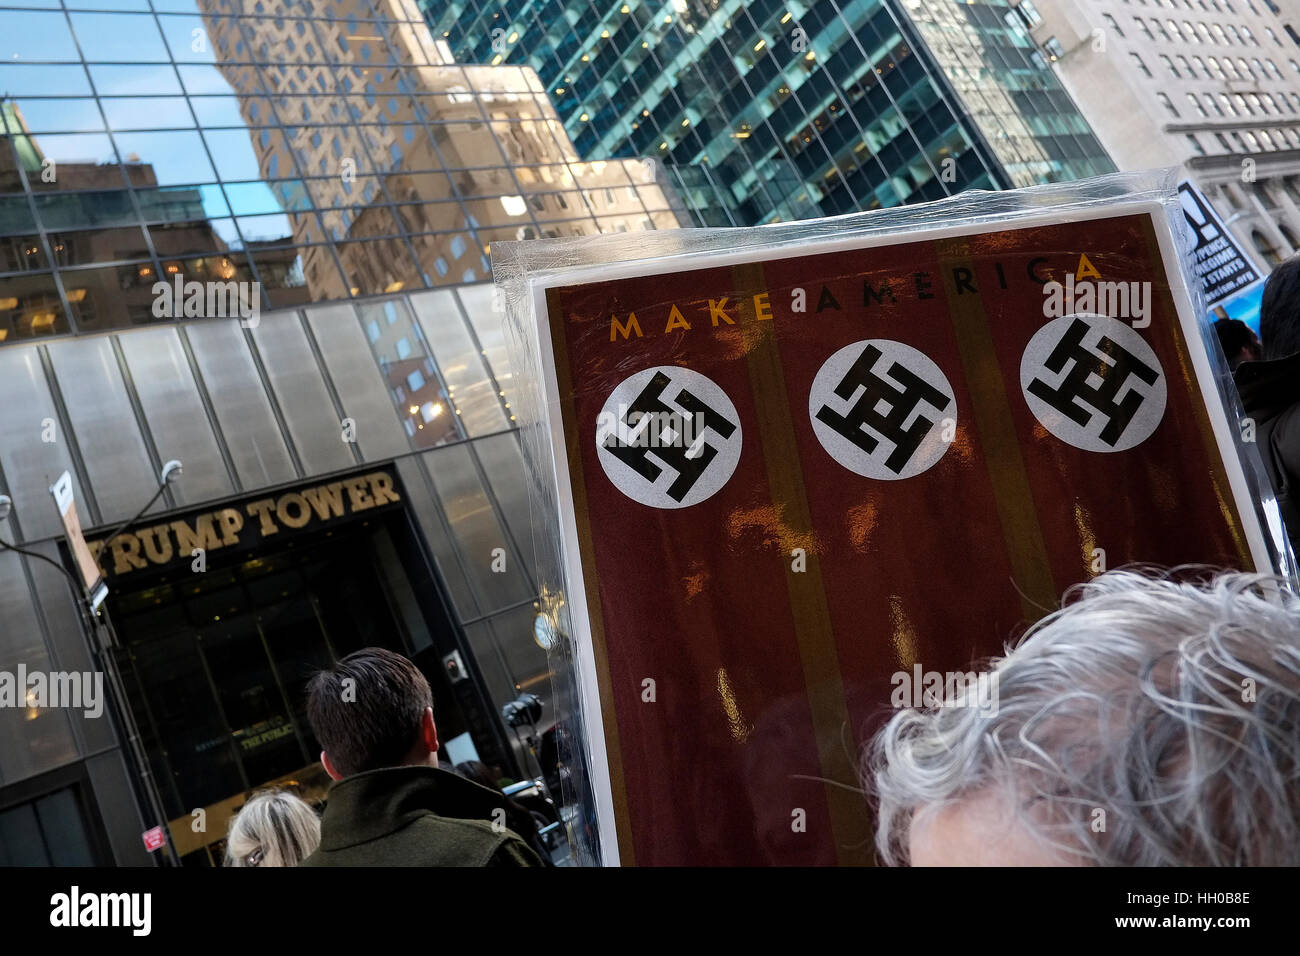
(245, 522)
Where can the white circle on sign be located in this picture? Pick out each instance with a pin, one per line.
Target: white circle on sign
(883, 409)
(1093, 382)
(668, 437)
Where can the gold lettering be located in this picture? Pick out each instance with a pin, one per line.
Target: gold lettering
(232, 522)
(262, 510)
(202, 535)
(381, 486)
(300, 503)
(327, 500)
(617, 328)
(762, 307)
(676, 320)
(157, 543)
(357, 494)
(126, 553)
(717, 310)
(1086, 269)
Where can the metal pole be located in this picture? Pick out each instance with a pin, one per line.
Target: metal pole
(136, 752)
(119, 710)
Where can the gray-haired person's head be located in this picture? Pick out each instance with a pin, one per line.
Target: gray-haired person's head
(1150, 721)
(274, 828)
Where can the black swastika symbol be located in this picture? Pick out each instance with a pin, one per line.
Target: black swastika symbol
(902, 403)
(1114, 375)
(674, 455)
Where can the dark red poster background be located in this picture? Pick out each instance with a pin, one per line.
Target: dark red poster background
(939, 569)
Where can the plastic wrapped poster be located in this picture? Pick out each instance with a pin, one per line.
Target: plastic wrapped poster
(781, 475)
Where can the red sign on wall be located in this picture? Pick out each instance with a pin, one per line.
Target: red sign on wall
(787, 480)
(154, 839)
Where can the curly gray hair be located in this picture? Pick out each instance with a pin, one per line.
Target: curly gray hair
(1172, 706)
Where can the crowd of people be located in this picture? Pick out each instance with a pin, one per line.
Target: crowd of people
(391, 803)
(1266, 371)
(1153, 720)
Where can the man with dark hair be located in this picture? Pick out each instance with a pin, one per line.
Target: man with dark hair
(390, 804)
(1238, 341)
(1270, 390)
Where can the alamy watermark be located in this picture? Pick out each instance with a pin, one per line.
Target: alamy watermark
(921, 688)
(630, 427)
(1116, 300)
(75, 690)
(209, 299)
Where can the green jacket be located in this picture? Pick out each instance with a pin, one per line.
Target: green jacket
(415, 816)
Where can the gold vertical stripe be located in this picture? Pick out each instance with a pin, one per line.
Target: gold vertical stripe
(991, 412)
(850, 825)
(578, 483)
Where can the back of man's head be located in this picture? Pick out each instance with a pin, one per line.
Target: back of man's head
(1279, 311)
(1238, 341)
(366, 710)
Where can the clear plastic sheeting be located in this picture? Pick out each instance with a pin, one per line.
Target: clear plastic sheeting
(778, 474)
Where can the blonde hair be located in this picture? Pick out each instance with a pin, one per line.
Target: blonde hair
(274, 828)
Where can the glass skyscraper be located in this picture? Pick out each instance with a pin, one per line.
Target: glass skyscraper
(315, 149)
(791, 110)
(352, 473)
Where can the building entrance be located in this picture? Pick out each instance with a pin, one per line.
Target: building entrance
(215, 661)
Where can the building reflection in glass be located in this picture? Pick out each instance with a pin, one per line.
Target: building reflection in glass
(324, 151)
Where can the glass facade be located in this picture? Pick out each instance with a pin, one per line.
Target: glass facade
(776, 110)
(330, 180)
(213, 663)
(324, 151)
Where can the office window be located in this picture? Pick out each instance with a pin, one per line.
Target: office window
(1195, 144)
(1167, 103)
(1029, 13)
(1054, 49)
(1169, 64)
(1110, 22)
(1137, 61)
(1196, 104)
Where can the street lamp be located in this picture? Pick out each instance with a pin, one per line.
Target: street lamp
(171, 471)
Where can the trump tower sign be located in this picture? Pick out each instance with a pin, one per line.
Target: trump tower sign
(787, 476)
(245, 525)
